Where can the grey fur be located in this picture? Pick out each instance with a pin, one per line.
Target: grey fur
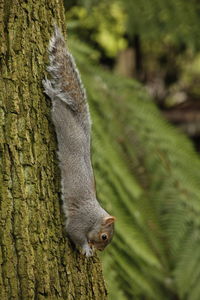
(71, 118)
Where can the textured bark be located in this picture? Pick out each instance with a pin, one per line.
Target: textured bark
(36, 260)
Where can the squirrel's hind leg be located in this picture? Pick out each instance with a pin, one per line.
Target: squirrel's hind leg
(48, 89)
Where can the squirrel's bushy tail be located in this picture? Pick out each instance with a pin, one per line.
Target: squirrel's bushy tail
(65, 82)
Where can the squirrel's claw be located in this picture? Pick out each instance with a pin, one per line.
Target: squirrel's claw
(87, 251)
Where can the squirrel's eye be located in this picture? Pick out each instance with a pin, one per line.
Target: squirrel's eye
(104, 237)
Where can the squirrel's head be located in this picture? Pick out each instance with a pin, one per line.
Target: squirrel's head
(102, 233)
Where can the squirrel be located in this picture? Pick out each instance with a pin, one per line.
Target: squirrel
(88, 225)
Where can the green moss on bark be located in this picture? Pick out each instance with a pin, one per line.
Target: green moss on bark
(36, 261)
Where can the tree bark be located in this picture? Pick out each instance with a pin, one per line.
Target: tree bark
(36, 260)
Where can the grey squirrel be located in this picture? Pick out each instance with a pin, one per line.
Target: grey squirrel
(88, 225)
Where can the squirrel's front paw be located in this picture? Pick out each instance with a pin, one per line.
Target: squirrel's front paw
(87, 251)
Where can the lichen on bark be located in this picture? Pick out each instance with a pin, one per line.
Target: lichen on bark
(36, 260)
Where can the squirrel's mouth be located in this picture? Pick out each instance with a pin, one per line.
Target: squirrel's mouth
(95, 245)
(91, 244)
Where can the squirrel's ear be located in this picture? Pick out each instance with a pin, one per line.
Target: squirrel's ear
(109, 220)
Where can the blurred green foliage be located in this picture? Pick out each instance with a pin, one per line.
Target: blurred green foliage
(104, 22)
(147, 172)
(168, 40)
(148, 176)
(172, 21)
(112, 23)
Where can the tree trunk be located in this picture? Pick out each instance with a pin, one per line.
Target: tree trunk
(36, 261)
